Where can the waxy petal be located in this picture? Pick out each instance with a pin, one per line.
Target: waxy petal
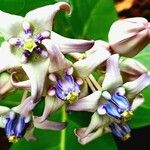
(4, 109)
(132, 68)
(85, 66)
(68, 45)
(26, 85)
(5, 84)
(88, 103)
(42, 18)
(10, 25)
(37, 72)
(90, 137)
(129, 36)
(26, 107)
(135, 87)
(113, 77)
(138, 101)
(57, 59)
(7, 59)
(52, 104)
(51, 125)
(29, 135)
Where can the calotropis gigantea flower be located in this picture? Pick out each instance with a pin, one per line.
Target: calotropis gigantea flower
(70, 84)
(115, 102)
(19, 124)
(129, 36)
(31, 44)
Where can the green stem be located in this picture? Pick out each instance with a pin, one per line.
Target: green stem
(63, 132)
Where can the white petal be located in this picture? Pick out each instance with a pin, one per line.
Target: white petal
(68, 45)
(113, 77)
(4, 109)
(52, 104)
(136, 86)
(88, 103)
(57, 60)
(129, 36)
(7, 59)
(138, 101)
(132, 67)
(37, 74)
(10, 25)
(85, 66)
(42, 18)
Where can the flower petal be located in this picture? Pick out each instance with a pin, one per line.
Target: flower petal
(113, 77)
(29, 135)
(52, 104)
(90, 137)
(85, 66)
(57, 59)
(136, 86)
(138, 101)
(51, 125)
(5, 84)
(88, 103)
(37, 73)
(25, 107)
(42, 18)
(68, 45)
(10, 25)
(7, 59)
(132, 37)
(4, 109)
(132, 68)
(26, 85)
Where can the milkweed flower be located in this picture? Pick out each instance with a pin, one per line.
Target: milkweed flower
(128, 37)
(116, 101)
(29, 44)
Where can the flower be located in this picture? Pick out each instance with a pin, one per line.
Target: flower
(133, 34)
(34, 47)
(116, 101)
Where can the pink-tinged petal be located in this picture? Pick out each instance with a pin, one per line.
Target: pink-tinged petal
(36, 72)
(138, 101)
(42, 18)
(84, 90)
(129, 36)
(132, 68)
(90, 137)
(5, 84)
(26, 107)
(26, 85)
(29, 135)
(88, 103)
(113, 77)
(52, 104)
(135, 87)
(7, 59)
(68, 45)
(85, 66)
(10, 25)
(51, 125)
(4, 109)
(57, 59)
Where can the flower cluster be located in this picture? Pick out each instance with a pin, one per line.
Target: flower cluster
(32, 59)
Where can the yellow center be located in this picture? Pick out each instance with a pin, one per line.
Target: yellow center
(126, 115)
(72, 97)
(127, 136)
(13, 139)
(29, 45)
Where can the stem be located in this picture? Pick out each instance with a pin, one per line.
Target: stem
(24, 96)
(63, 132)
(93, 80)
(90, 84)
